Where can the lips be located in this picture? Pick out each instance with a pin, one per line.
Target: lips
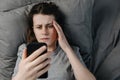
(44, 39)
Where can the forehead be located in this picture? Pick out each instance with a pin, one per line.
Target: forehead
(42, 19)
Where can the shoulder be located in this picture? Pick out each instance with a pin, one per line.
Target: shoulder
(22, 46)
(78, 54)
(20, 49)
(75, 48)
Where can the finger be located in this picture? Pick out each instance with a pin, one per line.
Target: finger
(42, 65)
(41, 72)
(59, 30)
(36, 53)
(57, 27)
(24, 55)
(40, 59)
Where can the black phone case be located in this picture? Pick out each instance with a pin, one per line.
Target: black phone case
(31, 47)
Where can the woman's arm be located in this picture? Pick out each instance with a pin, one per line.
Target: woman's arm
(80, 71)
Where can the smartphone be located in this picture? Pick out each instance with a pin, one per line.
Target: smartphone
(33, 46)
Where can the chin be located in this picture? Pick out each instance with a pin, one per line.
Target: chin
(45, 42)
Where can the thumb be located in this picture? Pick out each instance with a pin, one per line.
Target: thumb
(24, 55)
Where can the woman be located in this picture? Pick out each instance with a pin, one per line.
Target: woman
(63, 61)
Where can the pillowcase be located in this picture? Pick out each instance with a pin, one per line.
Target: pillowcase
(6, 5)
(13, 25)
(105, 15)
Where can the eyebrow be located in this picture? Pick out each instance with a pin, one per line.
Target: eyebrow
(41, 24)
(49, 23)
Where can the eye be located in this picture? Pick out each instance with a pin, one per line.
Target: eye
(38, 27)
(50, 26)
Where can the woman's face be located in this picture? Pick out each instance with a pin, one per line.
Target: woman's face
(44, 29)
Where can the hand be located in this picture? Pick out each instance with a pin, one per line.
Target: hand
(61, 37)
(31, 67)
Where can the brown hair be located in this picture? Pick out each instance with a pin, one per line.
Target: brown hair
(46, 8)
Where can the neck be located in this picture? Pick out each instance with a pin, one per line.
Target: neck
(52, 48)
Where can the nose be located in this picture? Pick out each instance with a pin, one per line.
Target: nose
(44, 30)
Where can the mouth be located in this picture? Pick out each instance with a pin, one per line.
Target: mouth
(44, 39)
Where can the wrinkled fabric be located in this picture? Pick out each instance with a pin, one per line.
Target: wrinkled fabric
(106, 34)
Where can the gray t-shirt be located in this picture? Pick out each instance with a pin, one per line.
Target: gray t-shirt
(60, 68)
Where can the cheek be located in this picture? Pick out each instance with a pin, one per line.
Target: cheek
(36, 33)
(54, 34)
